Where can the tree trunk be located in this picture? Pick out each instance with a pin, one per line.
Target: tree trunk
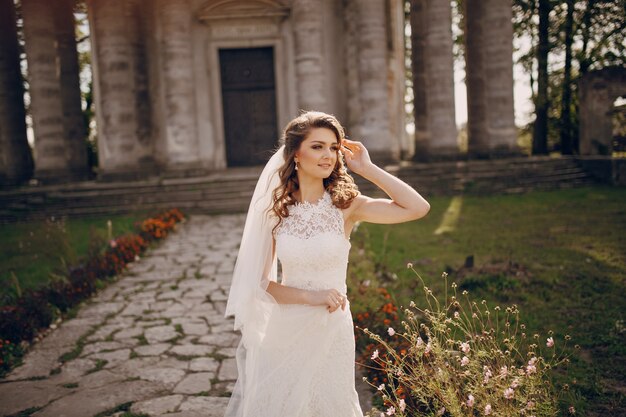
(567, 147)
(584, 61)
(540, 131)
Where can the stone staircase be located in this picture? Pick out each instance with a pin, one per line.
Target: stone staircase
(230, 190)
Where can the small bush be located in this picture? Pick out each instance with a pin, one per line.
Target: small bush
(457, 357)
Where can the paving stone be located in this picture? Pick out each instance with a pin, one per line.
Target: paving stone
(195, 383)
(193, 414)
(170, 295)
(132, 367)
(191, 350)
(74, 369)
(113, 358)
(225, 387)
(204, 364)
(88, 402)
(152, 350)
(223, 327)
(37, 363)
(150, 323)
(210, 406)
(20, 395)
(130, 332)
(160, 334)
(136, 308)
(173, 362)
(166, 376)
(221, 339)
(90, 348)
(157, 406)
(99, 379)
(195, 328)
(228, 370)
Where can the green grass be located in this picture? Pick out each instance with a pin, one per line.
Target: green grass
(36, 251)
(560, 256)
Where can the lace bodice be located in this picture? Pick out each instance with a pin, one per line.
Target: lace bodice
(312, 247)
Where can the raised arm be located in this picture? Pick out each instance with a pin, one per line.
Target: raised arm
(405, 203)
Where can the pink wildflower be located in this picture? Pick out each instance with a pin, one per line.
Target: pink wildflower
(550, 342)
(465, 347)
(391, 411)
(419, 342)
(375, 354)
(391, 331)
(402, 404)
(571, 409)
(487, 374)
(381, 387)
(488, 409)
(464, 361)
(504, 371)
(470, 400)
(508, 393)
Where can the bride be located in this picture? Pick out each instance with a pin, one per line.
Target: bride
(296, 355)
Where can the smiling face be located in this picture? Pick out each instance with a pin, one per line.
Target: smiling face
(318, 153)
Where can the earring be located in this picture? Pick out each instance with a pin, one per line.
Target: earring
(296, 162)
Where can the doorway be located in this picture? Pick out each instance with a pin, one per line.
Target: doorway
(249, 104)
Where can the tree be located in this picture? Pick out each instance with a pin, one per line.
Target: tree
(540, 130)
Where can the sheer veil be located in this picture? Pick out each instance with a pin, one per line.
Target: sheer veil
(255, 267)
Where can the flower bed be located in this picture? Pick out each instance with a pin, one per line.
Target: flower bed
(457, 357)
(37, 309)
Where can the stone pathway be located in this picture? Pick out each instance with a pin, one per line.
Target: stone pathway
(154, 342)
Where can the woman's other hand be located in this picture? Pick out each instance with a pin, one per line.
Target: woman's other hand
(332, 299)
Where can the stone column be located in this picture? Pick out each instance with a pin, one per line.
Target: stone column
(489, 67)
(433, 80)
(69, 78)
(121, 151)
(374, 102)
(16, 162)
(309, 54)
(57, 150)
(181, 139)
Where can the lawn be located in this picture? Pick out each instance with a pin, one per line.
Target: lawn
(35, 252)
(560, 256)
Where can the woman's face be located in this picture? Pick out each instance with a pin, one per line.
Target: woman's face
(318, 153)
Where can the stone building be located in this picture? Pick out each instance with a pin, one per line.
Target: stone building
(184, 87)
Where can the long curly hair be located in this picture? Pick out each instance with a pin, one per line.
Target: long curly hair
(339, 183)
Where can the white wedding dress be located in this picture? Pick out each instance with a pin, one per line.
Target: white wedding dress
(305, 364)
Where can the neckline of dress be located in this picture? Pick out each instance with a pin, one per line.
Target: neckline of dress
(303, 204)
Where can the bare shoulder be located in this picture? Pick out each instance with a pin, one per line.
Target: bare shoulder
(356, 203)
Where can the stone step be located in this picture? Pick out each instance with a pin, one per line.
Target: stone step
(230, 190)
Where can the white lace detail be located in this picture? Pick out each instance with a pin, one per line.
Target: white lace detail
(307, 219)
(312, 247)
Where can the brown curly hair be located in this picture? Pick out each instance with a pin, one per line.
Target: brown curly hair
(339, 183)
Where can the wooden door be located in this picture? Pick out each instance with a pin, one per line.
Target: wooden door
(249, 103)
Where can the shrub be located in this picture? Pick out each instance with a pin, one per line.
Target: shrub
(457, 357)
